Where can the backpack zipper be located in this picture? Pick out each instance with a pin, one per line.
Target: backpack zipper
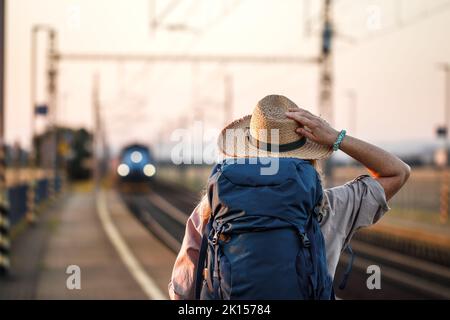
(217, 232)
(215, 242)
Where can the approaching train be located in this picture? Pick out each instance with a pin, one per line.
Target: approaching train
(136, 164)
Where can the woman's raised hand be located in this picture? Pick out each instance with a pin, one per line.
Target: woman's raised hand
(313, 127)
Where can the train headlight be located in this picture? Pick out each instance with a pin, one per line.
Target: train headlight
(136, 156)
(123, 170)
(149, 170)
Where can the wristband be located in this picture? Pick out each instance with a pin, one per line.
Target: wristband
(337, 143)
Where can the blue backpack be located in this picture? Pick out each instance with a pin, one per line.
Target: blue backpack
(263, 239)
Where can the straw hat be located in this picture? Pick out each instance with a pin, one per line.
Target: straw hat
(269, 133)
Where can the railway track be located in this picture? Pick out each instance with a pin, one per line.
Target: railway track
(403, 275)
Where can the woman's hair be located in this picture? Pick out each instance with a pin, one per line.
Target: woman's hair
(318, 167)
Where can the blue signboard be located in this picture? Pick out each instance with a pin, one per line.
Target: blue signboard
(41, 109)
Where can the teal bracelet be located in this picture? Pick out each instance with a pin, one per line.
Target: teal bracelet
(339, 139)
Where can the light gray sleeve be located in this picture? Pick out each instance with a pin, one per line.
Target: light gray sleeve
(354, 205)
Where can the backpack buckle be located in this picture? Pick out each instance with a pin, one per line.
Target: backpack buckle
(215, 238)
(305, 240)
(318, 214)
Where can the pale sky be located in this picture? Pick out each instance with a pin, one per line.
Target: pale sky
(393, 70)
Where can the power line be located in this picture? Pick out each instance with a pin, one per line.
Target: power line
(156, 21)
(400, 25)
(185, 27)
(177, 58)
(405, 24)
(225, 13)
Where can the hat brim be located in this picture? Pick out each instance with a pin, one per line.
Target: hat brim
(240, 147)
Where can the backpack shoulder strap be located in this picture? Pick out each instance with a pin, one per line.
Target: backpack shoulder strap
(201, 259)
(348, 270)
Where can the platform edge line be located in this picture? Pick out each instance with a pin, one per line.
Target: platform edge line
(147, 284)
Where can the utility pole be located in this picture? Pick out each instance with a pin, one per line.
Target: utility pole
(352, 110)
(52, 77)
(97, 137)
(4, 205)
(445, 67)
(326, 66)
(326, 77)
(105, 147)
(152, 15)
(31, 191)
(44, 109)
(307, 20)
(32, 159)
(444, 134)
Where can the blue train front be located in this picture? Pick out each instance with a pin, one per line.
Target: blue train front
(136, 164)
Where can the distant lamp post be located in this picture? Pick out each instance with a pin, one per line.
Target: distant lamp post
(352, 111)
(441, 160)
(441, 156)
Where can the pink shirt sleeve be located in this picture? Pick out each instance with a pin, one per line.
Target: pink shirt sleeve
(182, 283)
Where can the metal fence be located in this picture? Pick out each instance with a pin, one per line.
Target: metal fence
(17, 196)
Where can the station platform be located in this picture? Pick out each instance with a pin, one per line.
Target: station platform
(117, 257)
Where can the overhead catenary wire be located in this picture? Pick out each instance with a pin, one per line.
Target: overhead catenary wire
(225, 13)
(157, 20)
(408, 23)
(400, 24)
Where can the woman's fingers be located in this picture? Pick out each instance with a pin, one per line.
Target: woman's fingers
(307, 129)
(308, 121)
(305, 132)
(301, 118)
(304, 112)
